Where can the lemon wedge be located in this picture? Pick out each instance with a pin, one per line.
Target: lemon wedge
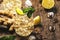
(19, 11)
(48, 4)
(37, 20)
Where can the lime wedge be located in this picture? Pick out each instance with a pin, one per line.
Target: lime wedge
(19, 11)
(37, 20)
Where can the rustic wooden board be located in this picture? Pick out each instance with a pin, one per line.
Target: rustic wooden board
(46, 35)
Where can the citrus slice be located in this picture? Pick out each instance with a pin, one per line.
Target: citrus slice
(19, 11)
(37, 20)
(48, 4)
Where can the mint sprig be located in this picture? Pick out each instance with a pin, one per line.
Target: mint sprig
(29, 11)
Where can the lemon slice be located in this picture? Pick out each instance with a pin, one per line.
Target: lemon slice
(37, 20)
(19, 11)
(48, 4)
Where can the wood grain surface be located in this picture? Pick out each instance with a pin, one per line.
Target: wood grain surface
(46, 34)
(39, 10)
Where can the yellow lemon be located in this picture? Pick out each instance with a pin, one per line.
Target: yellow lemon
(19, 11)
(37, 20)
(48, 4)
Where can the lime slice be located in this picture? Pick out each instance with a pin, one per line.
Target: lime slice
(37, 20)
(19, 11)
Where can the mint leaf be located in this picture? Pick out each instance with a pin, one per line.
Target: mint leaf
(29, 11)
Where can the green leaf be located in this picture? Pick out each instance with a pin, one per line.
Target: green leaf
(29, 11)
(8, 38)
(3, 38)
(11, 37)
(29, 14)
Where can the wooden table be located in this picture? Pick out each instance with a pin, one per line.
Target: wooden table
(46, 34)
